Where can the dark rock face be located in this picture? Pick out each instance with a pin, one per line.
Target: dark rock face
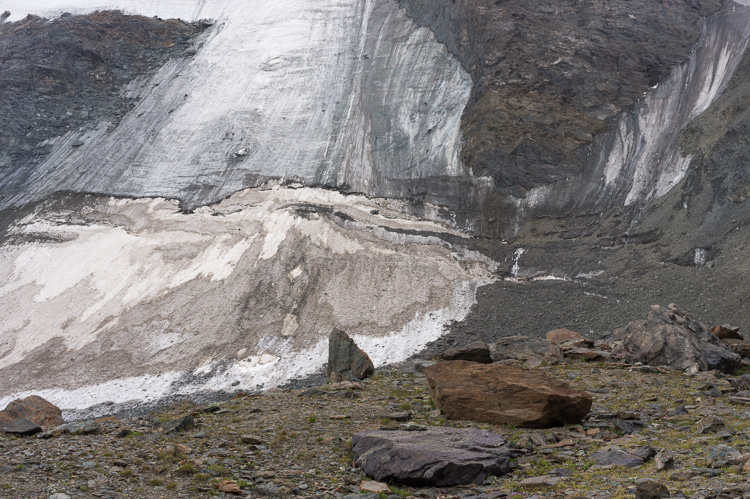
(437, 456)
(65, 73)
(546, 79)
(501, 394)
(671, 337)
(346, 361)
(34, 409)
(478, 351)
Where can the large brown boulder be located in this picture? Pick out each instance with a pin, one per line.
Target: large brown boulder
(501, 394)
(33, 408)
(346, 361)
(673, 338)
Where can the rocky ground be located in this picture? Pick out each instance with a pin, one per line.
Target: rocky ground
(297, 443)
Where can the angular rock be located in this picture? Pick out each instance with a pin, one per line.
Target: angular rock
(563, 335)
(616, 457)
(346, 361)
(178, 425)
(478, 351)
(374, 487)
(437, 456)
(502, 394)
(726, 332)
(664, 459)
(22, 426)
(673, 338)
(722, 454)
(529, 350)
(229, 486)
(710, 424)
(541, 481)
(649, 489)
(33, 408)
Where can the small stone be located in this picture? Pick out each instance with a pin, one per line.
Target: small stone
(541, 481)
(399, 416)
(664, 459)
(710, 424)
(178, 425)
(268, 490)
(374, 487)
(59, 495)
(312, 392)
(183, 448)
(123, 432)
(616, 457)
(252, 440)
(229, 486)
(649, 489)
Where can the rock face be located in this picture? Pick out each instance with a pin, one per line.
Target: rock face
(33, 408)
(502, 394)
(671, 337)
(478, 351)
(437, 456)
(346, 361)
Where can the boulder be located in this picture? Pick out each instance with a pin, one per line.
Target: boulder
(727, 332)
(499, 394)
(588, 354)
(673, 338)
(437, 456)
(741, 383)
(33, 408)
(478, 351)
(532, 351)
(22, 426)
(346, 361)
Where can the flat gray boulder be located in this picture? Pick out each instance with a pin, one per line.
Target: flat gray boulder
(346, 361)
(436, 457)
(673, 338)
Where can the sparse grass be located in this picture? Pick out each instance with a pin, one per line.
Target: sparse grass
(200, 477)
(126, 473)
(155, 482)
(187, 468)
(312, 418)
(172, 485)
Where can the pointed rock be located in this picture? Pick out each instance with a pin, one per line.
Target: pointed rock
(346, 361)
(501, 394)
